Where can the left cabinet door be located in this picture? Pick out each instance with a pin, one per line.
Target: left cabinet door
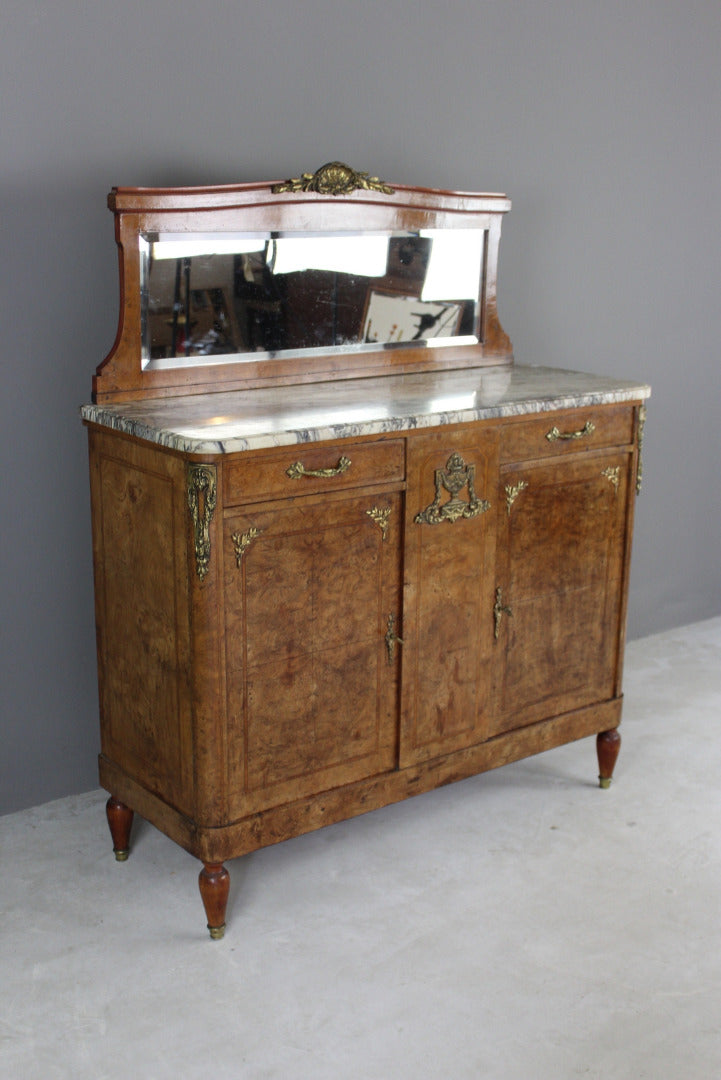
(312, 696)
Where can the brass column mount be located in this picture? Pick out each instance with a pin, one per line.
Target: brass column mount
(512, 493)
(202, 494)
(639, 467)
(453, 479)
(499, 610)
(392, 640)
(334, 178)
(241, 541)
(381, 517)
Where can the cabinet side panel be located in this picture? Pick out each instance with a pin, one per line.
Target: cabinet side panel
(142, 627)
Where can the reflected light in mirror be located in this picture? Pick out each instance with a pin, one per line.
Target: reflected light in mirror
(365, 256)
(209, 244)
(454, 266)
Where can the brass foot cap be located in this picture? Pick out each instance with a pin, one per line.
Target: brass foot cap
(604, 782)
(216, 932)
(122, 854)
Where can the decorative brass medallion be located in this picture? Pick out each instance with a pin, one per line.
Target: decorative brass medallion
(639, 467)
(554, 434)
(202, 484)
(613, 473)
(243, 540)
(392, 639)
(499, 610)
(298, 469)
(381, 517)
(512, 493)
(453, 478)
(335, 178)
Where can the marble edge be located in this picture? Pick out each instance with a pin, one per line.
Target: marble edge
(173, 440)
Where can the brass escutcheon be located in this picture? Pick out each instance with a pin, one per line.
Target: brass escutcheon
(453, 479)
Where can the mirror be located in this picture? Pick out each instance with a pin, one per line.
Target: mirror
(208, 298)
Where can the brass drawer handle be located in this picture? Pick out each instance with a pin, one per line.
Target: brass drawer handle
(587, 429)
(298, 469)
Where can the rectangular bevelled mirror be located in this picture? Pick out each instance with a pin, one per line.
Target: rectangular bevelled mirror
(209, 298)
(333, 275)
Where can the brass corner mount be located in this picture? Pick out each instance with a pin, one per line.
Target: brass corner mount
(334, 178)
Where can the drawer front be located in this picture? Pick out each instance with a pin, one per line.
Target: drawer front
(306, 469)
(567, 432)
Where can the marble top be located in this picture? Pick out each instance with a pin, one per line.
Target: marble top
(222, 423)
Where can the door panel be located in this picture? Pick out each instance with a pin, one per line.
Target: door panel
(448, 595)
(561, 542)
(312, 700)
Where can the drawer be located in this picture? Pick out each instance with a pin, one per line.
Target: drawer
(307, 468)
(567, 432)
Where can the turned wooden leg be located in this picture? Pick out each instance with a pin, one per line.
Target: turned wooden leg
(608, 744)
(214, 883)
(120, 819)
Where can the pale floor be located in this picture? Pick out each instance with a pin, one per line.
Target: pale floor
(521, 925)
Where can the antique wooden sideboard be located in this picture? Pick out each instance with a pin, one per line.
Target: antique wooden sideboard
(333, 569)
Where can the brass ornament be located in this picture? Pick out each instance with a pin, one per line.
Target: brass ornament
(639, 467)
(392, 639)
(241, 541)
(453, 479)
(499, 610)
(202, 494)
(512, 493)
(335, 178)
(613, 474)
(381, 518)
(554, 434)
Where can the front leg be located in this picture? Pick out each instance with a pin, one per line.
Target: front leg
(120, 820)
(214, 884)
(608, 744)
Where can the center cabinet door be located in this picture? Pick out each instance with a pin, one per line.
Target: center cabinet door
(448, 593)
(312, 698)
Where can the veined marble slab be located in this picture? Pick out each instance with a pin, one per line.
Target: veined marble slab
(223, 423)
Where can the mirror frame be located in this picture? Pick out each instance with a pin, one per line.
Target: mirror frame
(309, 204)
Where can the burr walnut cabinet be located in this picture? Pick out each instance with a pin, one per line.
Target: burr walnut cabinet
(345, 550)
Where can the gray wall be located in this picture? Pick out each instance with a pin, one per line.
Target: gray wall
(600, 120)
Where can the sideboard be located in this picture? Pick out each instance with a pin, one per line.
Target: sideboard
(318, 596)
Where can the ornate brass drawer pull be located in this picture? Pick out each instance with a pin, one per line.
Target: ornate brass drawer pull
(499, 610)
(298, 469)
(392, 640)
(453, 478)
(587, 429)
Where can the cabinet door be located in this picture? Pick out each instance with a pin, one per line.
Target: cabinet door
(558, 605)
(312, 699)
(448, 593)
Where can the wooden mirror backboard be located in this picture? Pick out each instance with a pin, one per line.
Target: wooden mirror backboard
(331, 275)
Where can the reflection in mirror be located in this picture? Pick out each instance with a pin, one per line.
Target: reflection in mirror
(207, 298)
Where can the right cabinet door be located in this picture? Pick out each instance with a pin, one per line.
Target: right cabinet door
(558, 604)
